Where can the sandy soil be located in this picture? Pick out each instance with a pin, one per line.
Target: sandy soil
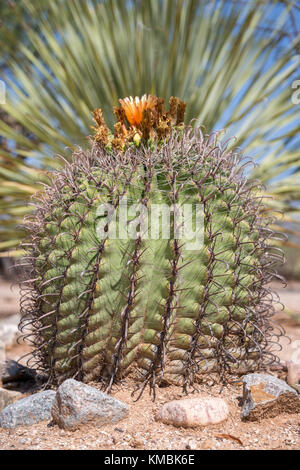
(140, 430)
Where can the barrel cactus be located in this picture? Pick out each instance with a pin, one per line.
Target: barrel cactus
(161, 308)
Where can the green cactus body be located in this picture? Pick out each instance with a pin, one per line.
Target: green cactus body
(103, 308)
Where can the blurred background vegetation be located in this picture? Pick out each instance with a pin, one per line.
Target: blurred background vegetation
(233, 61)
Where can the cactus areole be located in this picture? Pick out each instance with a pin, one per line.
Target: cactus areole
(119, 288)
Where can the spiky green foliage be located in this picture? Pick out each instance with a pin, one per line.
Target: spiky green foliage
(99, 309)
(234, 62)
(14, 15)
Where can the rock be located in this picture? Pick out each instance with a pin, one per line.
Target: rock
(265, 396)
(11, 371)
(16, 376)
(77, 403)
(192, 412)
(293, 375)
(7, 397)
(28, 411)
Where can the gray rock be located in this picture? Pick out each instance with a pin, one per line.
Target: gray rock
(12, 371)
(265, 396)
(7, 397)
(28, 411)
(16, 376)
(77, 403)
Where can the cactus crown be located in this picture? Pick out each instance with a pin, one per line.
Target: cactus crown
(139, 119)
(102, 308)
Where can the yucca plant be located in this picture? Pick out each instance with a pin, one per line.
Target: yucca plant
(101, 305)
(233, 61)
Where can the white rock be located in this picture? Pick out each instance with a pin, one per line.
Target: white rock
(192, 412)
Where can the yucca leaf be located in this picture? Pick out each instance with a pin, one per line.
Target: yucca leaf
(233, 63)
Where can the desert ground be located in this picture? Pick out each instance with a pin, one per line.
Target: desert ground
(139, 430)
